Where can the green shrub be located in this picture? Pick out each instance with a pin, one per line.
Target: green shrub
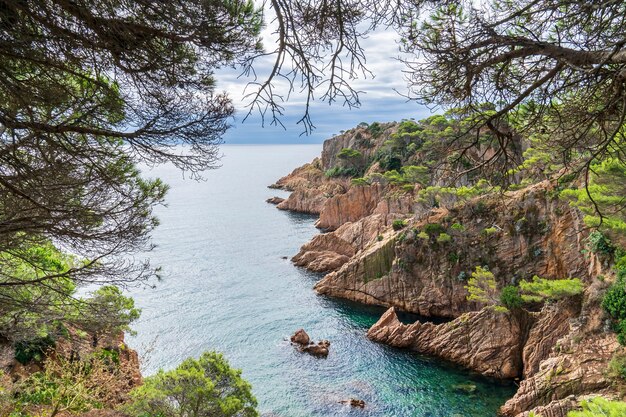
(614, 303)
(617, 367)
(33, 350)
(510, 297)
(489, 231)
(541, 289)
(453, 257)
(434, 228)
(398, 224)
(375, 129)
(599, 243)
(207, 386)
(349, 153)
(600, 407)
(71, 386)
(423, 235)
(605, 192)
(342, 172)
(458, 227)
(482, 286)
(359, 182)
(444, 238)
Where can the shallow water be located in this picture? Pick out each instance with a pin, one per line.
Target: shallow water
(226, 287)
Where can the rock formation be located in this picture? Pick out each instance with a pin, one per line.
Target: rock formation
(559, 350)
(302, 340)
(486, 341)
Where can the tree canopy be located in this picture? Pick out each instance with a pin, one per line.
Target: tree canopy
(89, 90)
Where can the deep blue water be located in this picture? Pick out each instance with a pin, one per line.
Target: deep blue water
(226, 287)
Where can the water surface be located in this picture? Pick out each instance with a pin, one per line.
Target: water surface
(226, 287)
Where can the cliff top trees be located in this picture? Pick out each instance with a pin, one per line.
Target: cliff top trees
(560, 62)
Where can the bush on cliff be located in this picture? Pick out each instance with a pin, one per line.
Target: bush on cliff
(604, 194)
(207, 386)
(398, 224)
(600, 407)
(614, 303)
(511, 298)
(343, 172)
(482, 287)
(541, 289)
(71, 386)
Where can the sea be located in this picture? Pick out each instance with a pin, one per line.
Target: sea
(227, 284)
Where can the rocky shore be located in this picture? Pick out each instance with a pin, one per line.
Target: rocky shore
(380, 244)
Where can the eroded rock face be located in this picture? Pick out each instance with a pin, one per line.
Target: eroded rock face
(575, 367)
(487, 341)
(530, 235)
(357, 203)
(551, 324)
(274, 200)
(327, 252)
(576, 372)
(310, 188)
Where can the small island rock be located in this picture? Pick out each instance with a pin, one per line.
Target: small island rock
(301, 337)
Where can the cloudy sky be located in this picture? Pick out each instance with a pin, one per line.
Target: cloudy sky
(379, 100)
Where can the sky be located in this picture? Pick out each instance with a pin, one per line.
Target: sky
(379, 101)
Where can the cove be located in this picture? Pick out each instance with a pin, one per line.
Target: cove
(226, 287)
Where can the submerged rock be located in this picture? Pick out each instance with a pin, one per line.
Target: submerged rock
(468, 387)
(354, 402)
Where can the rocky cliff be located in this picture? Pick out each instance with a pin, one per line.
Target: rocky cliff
(384, 243)
(517, 236)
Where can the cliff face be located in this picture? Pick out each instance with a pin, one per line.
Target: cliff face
(527, 234)
(560, 351)
(310, 188)
(485, 341)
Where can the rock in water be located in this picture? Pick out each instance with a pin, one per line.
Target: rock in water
(319, 349)
(354, 402)
(300, 337)
(275, 200)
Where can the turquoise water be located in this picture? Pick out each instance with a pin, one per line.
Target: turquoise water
(226, 287)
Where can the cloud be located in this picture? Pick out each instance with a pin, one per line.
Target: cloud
(380, 100)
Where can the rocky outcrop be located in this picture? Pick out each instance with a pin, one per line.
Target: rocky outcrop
(274, 200)
(492, 341)
(487, 341)
(310, 188)
(327, 252)
(528, 234)
(359, 138)
(573, 370)
(560, 353)
(576, 366)
(300, 337)
(357, 203)
(302, 340)
(551, 324)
